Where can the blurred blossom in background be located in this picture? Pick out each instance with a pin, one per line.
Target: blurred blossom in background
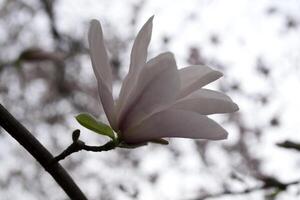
(46, 79)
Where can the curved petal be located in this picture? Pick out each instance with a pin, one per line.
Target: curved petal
(206, 102)
(195, 77)
(157, 85)
(175, 123)
(98, 53)
(102, 70)
(138, 59)
(139, 50)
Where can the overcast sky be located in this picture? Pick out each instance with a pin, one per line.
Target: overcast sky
(246, 30)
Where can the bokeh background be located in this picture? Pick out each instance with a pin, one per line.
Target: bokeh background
(46, 79)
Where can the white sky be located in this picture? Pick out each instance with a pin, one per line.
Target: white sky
(245, 32)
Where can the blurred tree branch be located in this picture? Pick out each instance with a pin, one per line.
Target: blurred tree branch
(289, 145)
(268, 183)
(48, 7)
(40, 153)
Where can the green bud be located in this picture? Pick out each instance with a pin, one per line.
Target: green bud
(89, 122)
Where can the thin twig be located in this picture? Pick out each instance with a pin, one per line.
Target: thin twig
(289, 145)
(269, 183)
(40, 153)
(79, 145)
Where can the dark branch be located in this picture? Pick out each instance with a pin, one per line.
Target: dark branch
(40, 153)
(289, 145)
(48, 7)
(227, 192)
(268, 183)
(79, 145)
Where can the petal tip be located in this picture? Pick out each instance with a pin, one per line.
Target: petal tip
(149, 22)
(235, 107)
(223, 136)
(168, 54)
(151, 18)
(94, 22)
(219, 74)
(94, 29)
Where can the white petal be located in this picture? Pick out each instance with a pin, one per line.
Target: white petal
(175, 123)
(157, 85)
(98, 53)
(206, 102)
(140, 46)
(195, 77)
(138, 60)
(102, 70)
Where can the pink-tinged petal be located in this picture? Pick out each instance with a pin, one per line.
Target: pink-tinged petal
(206, 102)
(102, 70)
(140, 46)
(175, 123)
(157, 85)
(137, 61)
(98, 54)
(194, 77)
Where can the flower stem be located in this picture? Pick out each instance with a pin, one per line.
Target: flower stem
(79, 145)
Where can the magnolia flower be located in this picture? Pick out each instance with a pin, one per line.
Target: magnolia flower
(156, 99)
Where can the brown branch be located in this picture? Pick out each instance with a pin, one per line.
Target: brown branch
(289, 145)
(48, 7)
(79, 145)
(40, 153)
(268, 183)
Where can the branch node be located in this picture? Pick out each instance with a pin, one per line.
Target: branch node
(79, 145)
